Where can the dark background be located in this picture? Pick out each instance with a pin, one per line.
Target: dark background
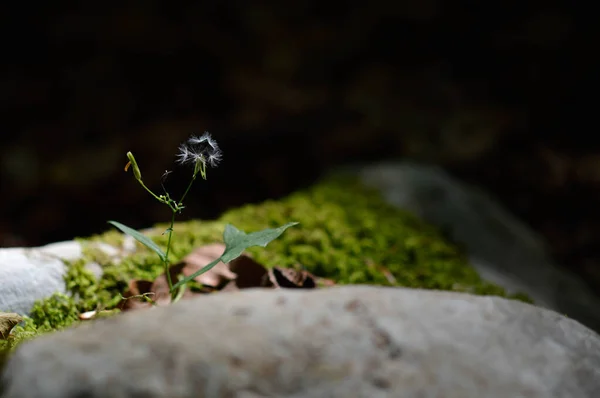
(497, 92)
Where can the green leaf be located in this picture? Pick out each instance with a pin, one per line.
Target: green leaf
(143, 239)
(195, 274)
(236, 242)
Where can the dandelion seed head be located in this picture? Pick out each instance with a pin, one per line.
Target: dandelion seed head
(204, 138)
(200, 149)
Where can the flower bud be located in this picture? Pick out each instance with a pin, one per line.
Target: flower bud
(200, 167)
(136, 170)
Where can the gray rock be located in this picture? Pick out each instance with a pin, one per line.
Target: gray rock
(502, 248)
(352, 341)
(31, 274)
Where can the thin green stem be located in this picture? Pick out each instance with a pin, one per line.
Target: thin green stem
(187, 189)
(175, 207)
(166, 262)
(151, 193)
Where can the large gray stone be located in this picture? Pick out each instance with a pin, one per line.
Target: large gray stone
(30, 274)
(338, 342)
(502, 248)
(35, 273)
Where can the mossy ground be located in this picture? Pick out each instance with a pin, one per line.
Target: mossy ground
(346, 233)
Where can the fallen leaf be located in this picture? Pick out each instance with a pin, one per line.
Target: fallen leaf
(217, 276)
(296, 278)
(250, 273)
(145, 294)
(291, 278)
(242, 272)
(8, 320)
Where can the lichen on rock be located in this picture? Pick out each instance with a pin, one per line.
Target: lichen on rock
(347, 233)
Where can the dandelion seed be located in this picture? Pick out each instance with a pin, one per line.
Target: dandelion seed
(201, 149)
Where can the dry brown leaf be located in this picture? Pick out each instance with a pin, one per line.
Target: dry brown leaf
(290, 278)
(297, 278)
(241, 273)
(8, 320)
(157, 291)
(249, 273)
(217, 276)
(244, 272)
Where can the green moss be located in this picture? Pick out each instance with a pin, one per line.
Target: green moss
(48, 315)
(346, 232)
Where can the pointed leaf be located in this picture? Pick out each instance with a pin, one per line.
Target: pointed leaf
(237, 241)
(195, 274)
(143, 239)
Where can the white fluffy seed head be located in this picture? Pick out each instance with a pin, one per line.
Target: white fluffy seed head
(200, 149)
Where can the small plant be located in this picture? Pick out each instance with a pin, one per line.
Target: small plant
(199, 152)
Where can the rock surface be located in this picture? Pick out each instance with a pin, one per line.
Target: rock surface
(30, 274)
(352, 341)
(503, 249)
(35, 273)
